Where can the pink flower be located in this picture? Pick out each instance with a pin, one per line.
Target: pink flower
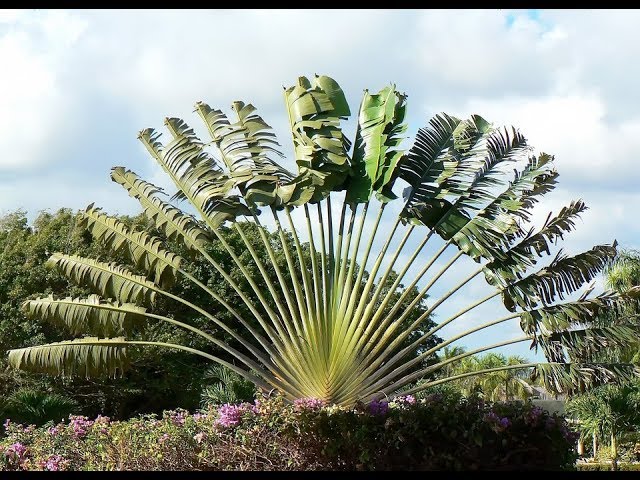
(80, 424)
(308, 403)
(164, 438)
(231, 415)
(198, 437)
(55, 463)
(15, 450)
(406, 400)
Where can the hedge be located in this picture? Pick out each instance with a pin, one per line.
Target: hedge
(434, 433)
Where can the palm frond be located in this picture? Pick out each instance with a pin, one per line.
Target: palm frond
(375, 156)
(571, 378)
(315, 109)
(174, 223)
(195, 173)
(563, 276)
(521, 256)
(146, 252)
(86, 357)
(108, 279)
(87, 315)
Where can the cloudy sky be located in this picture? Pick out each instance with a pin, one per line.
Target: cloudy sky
(76, 87)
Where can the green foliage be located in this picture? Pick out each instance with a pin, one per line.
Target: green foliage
(605, 467)
(225, 386)
(430, 434)
(496, 385)
(607, 410)
(32, 407)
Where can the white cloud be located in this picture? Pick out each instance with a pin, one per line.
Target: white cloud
(32, 105)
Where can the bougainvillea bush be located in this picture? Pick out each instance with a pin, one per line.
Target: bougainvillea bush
(270, 434)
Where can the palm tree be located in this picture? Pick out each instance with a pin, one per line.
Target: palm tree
(498, 384)
(329, 334)
(606, 412)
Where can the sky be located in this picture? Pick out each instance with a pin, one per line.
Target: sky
(77, 85)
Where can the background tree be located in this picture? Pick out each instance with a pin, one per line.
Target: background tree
(608, 411)
(497, 385)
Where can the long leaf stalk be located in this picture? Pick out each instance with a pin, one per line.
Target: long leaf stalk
(323, 262)
(379, 354)
(353, 336)
(341, 357)
(338, 319)
(312, 329)
(375, 328)
(323, 328)
(300, 309)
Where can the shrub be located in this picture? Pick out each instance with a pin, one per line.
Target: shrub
(604, 467)
(269, 434)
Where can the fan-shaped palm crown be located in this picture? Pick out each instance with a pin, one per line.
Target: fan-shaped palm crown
(334, 332)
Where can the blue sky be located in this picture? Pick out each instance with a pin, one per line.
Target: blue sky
(78, 85)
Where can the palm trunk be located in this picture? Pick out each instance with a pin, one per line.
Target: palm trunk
(614, 452)
(581, 446)
(595, 445)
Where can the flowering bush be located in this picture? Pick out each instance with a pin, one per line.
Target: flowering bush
(270, 434)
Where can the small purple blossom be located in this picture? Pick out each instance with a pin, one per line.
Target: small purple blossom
(178, 418)
(6, 423)
(308, 403)
(378, 407)
(53, 431)
(199, 416)
(15, 450)
(534, 415)
(504, 422)
(80, 425)
(491, 417)
(231, 415)
(498, 424)
(406, 400)
(164, 438)
(55, 463)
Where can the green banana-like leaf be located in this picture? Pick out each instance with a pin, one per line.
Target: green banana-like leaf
(446, 148)
(245, 147)
(563, 276)
(439, 214)
(560, 317)
(87, 357)
(172, 222)
(571, 378)
(520, 257)
(485, 234)
(87, 315)
(108, 279)
(375, 156)
(142, 249)
(315, 109)
(583, 343)
(194, 172)
(498, 224)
